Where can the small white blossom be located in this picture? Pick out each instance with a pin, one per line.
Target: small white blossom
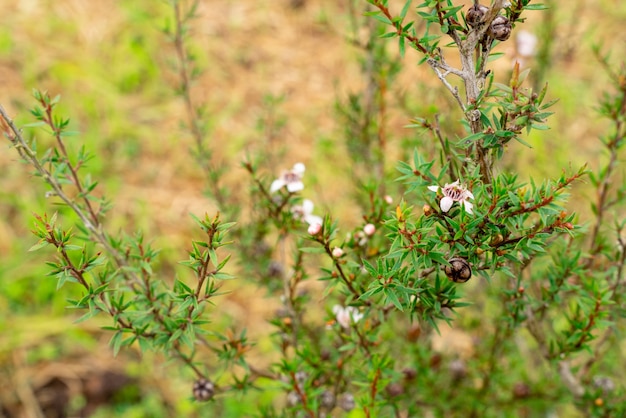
(388, 199)
(346, 316)
(526, 44)
(305, 213)
(361, 238)
(454, 192)
(292, 179)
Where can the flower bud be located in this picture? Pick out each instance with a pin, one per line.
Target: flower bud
(369, 229)
(388, 199)
(314, 229)
(337, 252)
(428, 210)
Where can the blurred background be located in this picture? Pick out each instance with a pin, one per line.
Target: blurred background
(274, 73)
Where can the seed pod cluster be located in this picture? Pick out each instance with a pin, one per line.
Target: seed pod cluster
(499, 29)
(459, 270)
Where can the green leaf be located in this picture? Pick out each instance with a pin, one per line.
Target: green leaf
(38, 245)
(87, 316)
(382, 18)
(405, 9)
(391, 295)
(116, 342)
(312, 250)
(34, 125)
(535, 7)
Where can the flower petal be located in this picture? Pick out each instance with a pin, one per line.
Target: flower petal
(469, 194)
(298, 168)
(277, 185)
(446, 203)
(433, 188)
(295, 186)
(313, 219)
(468, 206)
(307, 207)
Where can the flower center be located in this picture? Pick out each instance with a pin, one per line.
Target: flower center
(291, 177)
(455, 193)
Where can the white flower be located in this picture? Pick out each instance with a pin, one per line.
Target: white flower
(369, 229)
(337, 252)
(454, 192)
(346, 316)
(292, 179)
(526, 43)
(305, 213)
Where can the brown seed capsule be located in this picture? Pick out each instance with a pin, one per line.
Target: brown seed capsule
(409, 373)
(203, 389)
(458, 369)
(500, 28)
(496, 239)
(476, 15)
(327, 399)
(459, 270)
(521, 390)
(394, 389)
(346, 402)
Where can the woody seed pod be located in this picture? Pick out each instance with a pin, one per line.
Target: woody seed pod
(346, 402)
(327, 399)
(459, 270)
(476, 15)
(203, 389)
(500, 28)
